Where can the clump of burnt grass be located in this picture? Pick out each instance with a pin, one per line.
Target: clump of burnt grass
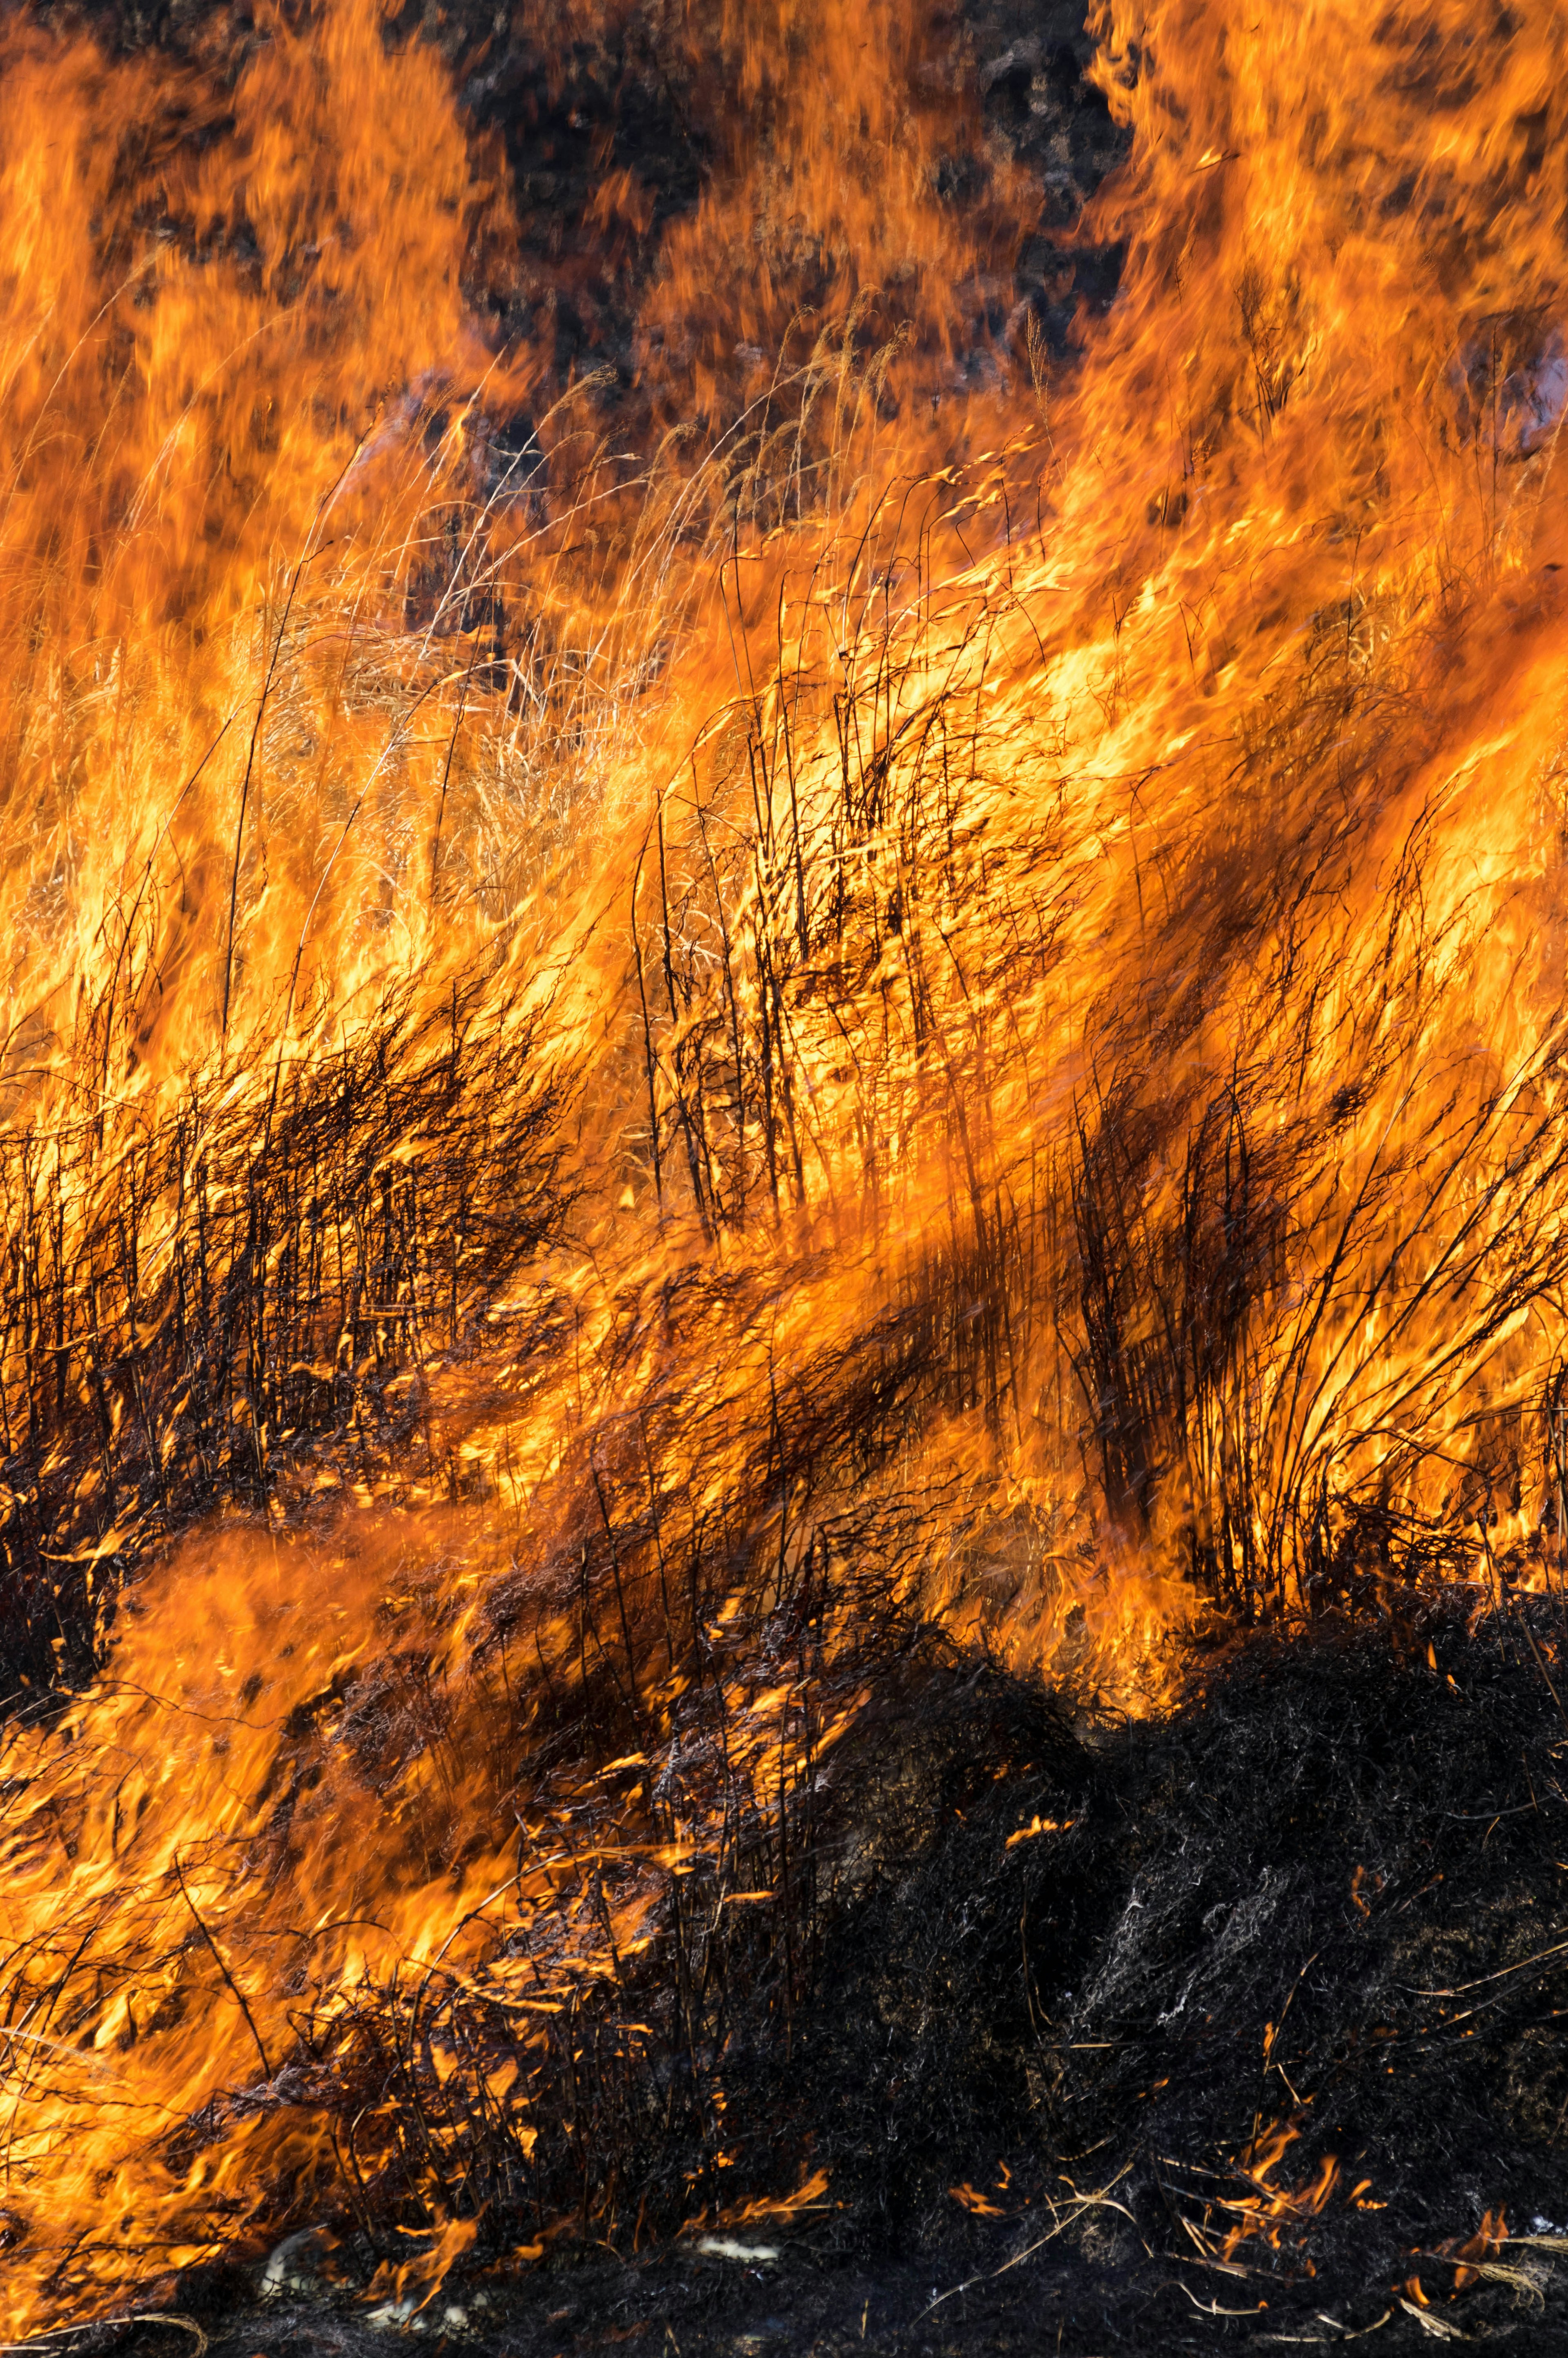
(245, 1287)
(1220, 1220)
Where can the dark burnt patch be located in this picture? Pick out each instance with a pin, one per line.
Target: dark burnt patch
(613, 117)
(1236, 2025)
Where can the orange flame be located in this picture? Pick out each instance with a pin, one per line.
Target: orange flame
(921, 999)
(1273, 2208)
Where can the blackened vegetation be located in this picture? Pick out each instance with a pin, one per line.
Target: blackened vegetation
(1324, 1894)
(1040, 110)
(193, 1305)
(1158, 2035)
(615, 115)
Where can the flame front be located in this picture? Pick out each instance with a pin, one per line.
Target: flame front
(630, 1072)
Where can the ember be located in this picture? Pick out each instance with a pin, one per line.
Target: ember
(783, 1360)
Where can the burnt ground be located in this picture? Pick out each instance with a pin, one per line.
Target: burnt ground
(577, 92)
(1328, 1896)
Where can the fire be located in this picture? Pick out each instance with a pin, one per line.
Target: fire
(930, 998)
(1484, 2244)
(1271, 2209)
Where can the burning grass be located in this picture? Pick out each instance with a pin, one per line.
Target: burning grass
(697, 1145)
